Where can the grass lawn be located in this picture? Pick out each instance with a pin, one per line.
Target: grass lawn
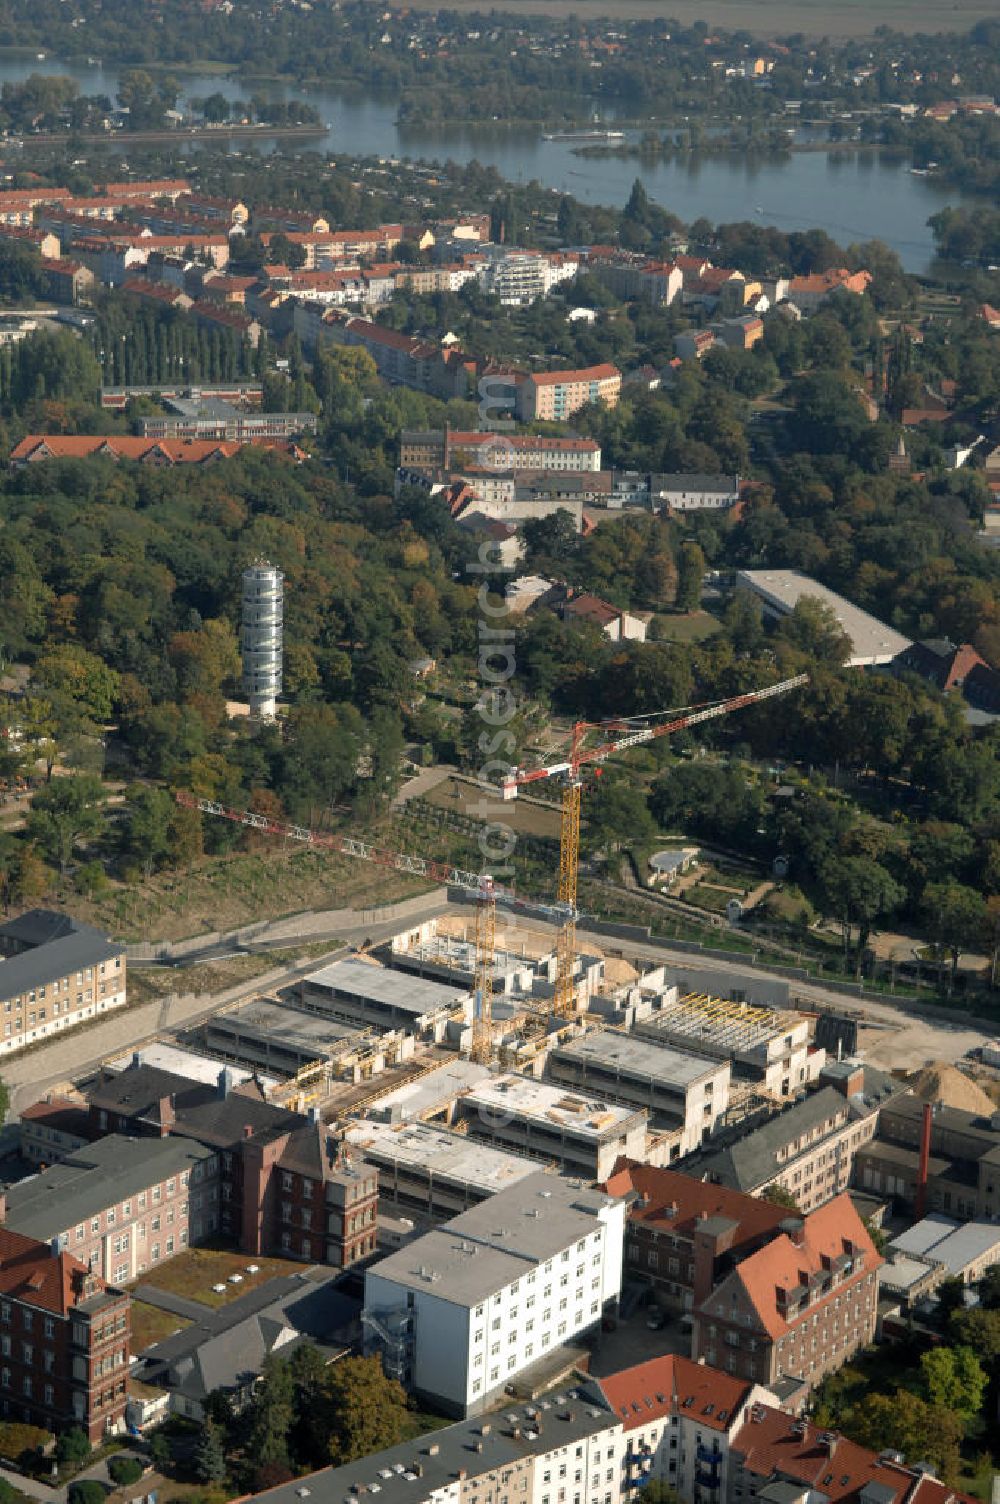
(463, 798)
(692, 626)
(150, 1324)
(193, 1274)
(148, 982)
(222, 893)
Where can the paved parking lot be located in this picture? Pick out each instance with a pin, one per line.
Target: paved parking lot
(633, 1342)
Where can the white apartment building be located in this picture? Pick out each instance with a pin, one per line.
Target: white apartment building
(460, 1312)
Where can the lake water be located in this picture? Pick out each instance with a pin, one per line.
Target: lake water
(854, 196)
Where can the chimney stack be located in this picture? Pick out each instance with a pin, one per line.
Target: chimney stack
(920, 1200)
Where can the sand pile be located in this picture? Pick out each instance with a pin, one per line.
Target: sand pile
(940, 1082)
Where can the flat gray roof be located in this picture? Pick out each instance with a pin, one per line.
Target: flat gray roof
(953, 1244)
(475, 1446)
(100, 1175)
(643, 1058)
(584, 1117)
(190, 1063)
(493, 1244)
(872, 642)
(440, 1154)
(430, 1091)
(378, 984)
(265, 1020)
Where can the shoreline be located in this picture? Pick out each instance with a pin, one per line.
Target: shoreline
(167, 134)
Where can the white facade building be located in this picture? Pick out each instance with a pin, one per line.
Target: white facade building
(460, 1312)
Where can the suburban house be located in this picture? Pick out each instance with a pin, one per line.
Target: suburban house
(616, 624)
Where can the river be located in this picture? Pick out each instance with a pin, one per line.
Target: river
(852, 195)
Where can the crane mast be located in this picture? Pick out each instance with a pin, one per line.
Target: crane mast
(480, 885)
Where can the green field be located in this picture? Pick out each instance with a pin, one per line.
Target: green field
(849, 18)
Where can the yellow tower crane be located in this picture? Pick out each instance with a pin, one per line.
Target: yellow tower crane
(570, 774)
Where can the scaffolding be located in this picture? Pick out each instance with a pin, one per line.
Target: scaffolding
(727, 1025)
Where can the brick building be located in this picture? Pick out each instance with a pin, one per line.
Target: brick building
(282, 1187)
(121, 1205)
(683, 1236)
(797, 1309)
(64, 1341)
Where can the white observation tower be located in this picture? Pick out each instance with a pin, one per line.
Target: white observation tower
(261, 637)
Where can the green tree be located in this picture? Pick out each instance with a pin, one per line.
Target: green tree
(272, 1413)
(209, 1457)
(159, 1450)
(989, 1289)
(365, 1410)
(813, 628)
(73, 673)
(124, 1470)
(656, 1491)
(955, 917)
(72, 1446)
(64, 813)
(86, 1491)
(954, 1379)
(907, 1423)
(690, 574)
(950, 1297)
(617, 814)
(145, 833)
(857, 891)
(780, 1197)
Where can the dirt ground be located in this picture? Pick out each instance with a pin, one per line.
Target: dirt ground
(521, 815)
(917, 1043)
(849, 18)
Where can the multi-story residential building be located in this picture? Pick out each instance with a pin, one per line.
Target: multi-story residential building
(581, 1134)
(200, 417)
(713, 1438)
(684, 1235)
(635, 277)
(64, 1341)
(796, 1309)
(808, 1149)
(121, 1205)
(694, 493)
(807, 293)
(678, 1421)
(159, 452)
(446, 448)
(776, 1456)
(55, 972)
(69, 281)
(282, 1188)
(682, 1092)
(463, 1310)
(554, 396)
(51, 1129)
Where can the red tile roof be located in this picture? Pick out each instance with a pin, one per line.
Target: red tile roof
(605, 372)
(31, 1272)
(592, 608)
(126, 447)
(827, 1233)
(670, 1385)
(670, 1199)
(770, 1442)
